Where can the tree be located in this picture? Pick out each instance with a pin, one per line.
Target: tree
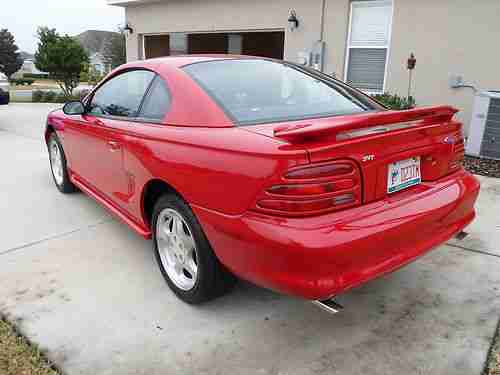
(10, 59)
(115, 50)
(62, 57)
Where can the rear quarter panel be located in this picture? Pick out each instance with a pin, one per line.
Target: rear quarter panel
(221, 169)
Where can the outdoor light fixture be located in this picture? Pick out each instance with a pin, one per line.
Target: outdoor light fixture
(293, 20)
(128, 29)
(410, 64)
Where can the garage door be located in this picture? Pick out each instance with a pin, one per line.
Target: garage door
(265, 44)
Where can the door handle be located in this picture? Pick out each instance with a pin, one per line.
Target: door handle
(114, 146)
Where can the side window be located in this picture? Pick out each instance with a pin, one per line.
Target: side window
(121, 95)
(157, 102)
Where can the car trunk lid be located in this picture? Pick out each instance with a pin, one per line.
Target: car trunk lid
(374, 140)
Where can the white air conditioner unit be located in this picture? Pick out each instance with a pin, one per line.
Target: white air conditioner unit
(484, 132)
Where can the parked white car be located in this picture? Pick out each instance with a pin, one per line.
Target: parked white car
(4, 89)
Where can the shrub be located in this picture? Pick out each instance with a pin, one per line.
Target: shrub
(50, 96)
(84, 77)
(394, 101)
(37, 96)
(35, 76)
(81, 94)
(40, 96)
(22, 81)
(61, 98)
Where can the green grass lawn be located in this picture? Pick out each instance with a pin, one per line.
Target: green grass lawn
(18, 357)
(493, 365)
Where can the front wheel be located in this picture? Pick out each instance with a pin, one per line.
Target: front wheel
(58, 165)
(184, 255)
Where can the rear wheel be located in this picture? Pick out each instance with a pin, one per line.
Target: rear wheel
(58, 165)
(184, 255)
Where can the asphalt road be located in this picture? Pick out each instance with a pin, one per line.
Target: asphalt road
(86, 289)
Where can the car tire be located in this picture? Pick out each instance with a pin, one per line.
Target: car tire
(184, 255)
(58, 165)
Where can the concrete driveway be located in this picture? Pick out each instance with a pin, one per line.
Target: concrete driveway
(87, 290)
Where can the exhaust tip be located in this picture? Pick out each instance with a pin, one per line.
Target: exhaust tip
(460, 236)
(330, 306)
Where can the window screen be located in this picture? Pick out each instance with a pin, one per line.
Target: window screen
(366, 68)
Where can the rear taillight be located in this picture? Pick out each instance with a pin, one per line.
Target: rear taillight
(320, 171)
(458, 153)
(313, 190)
(446, 157)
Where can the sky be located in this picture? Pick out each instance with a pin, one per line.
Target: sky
(22, 17)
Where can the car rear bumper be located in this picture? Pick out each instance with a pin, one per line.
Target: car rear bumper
(319, 257)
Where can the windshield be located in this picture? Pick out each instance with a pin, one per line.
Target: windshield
(254, 91)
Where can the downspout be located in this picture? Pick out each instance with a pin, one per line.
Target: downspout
(322, 24)
(322, 35)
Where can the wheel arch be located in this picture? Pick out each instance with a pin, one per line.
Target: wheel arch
(49, 129)
(153, 190)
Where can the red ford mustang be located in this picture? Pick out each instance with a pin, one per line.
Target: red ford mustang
(263, 169)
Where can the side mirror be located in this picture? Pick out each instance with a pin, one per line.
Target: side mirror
(74, 108)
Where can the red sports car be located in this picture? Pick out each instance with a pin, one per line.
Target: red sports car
(265, 170)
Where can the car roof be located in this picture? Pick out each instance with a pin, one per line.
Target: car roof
(183, 60)
(208, 113)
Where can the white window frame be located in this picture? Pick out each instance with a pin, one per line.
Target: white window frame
(387, 47)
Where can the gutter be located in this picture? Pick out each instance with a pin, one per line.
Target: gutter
(319, 46)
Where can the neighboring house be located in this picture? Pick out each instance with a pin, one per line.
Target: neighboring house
(366, 43)
(28, 67)
(99, 63)
(26, 55)
(96, 42)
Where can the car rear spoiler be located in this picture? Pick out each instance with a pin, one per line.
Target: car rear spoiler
(356, 123)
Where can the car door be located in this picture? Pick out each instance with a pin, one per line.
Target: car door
(137, 152)
(98, 141)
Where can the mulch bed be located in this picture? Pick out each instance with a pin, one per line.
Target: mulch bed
(484, 167)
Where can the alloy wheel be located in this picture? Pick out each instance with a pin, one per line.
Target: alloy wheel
(56, 162)
(177, 249)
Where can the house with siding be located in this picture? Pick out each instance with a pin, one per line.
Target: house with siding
(96, 42)
(366, 43)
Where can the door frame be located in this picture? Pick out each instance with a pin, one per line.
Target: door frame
(142, 50)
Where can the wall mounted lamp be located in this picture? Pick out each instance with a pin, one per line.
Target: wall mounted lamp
(293, 21)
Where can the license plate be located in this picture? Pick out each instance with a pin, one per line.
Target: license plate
(403, 174)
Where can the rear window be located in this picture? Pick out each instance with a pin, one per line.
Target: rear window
(257, 91)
